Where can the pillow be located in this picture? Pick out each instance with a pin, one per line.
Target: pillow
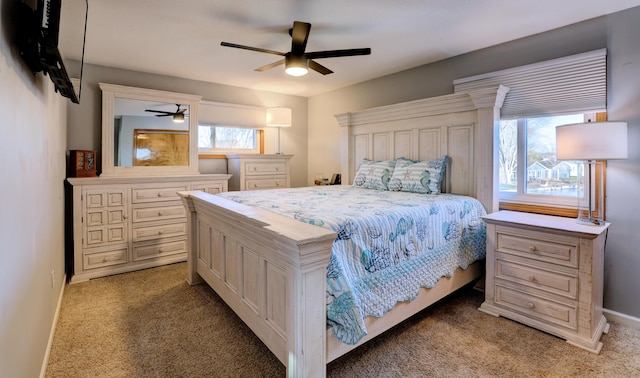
(374, 174)
(418, 176)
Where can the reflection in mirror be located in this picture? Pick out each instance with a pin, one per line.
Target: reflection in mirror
(150, 133)
(142, 134)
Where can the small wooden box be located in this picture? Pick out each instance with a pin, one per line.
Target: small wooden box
(82, 163)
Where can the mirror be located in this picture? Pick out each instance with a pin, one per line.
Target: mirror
(142, 134)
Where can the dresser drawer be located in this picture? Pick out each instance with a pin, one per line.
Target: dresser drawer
(255, 168)
(143, 195)
(537, 277)
(149, 251)
(271, 183)
(561, 314)
(160, 231)
(102, 259)
(144, 214)
(556, 249)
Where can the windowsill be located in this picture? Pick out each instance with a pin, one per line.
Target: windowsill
(212, 156)
(539, 209)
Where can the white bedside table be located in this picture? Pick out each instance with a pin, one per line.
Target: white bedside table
(547, 272)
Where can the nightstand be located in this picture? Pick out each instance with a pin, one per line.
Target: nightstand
(254, 172)
(547, 272)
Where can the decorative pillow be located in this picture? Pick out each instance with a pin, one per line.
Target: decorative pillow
(374, 174)
(418, 177)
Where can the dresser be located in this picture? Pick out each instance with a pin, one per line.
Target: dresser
(254, 172)
(547, 272)
(125, 224)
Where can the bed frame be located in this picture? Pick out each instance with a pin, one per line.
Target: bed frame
(271, 269)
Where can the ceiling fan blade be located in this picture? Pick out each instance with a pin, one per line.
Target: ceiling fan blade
(158, 111)
(270, 66)
(338, 53)
(227, 44)
(299, 37)
(164, 115)
(318, 67)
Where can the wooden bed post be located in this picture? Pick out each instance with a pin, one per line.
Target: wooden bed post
(192, 231)
(309, 315)
(488, 102)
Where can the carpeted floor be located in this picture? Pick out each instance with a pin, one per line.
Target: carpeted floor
(150, 323)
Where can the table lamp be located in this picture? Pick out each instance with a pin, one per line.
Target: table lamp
(591, 142)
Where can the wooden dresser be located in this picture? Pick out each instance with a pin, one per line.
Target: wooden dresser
(547, 272)
(126, 224)
(253, 172)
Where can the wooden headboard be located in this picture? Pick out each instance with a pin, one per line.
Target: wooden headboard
(461, 125)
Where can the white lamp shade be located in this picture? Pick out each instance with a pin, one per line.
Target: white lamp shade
(592, 141)
(279, 117)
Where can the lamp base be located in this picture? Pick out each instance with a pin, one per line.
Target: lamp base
(587, 221)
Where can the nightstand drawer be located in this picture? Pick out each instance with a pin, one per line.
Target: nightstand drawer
(556, 249)
(253, 168)
(272, 183)
(156, 194)
(537, 308)
(535, 277)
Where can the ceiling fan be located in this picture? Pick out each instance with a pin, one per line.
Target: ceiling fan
(178, 115)
(297, 61)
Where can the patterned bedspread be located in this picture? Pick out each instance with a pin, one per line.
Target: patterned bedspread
(389, 244)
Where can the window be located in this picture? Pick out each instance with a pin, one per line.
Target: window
(542, 96)
(529, 172)
(224, 139)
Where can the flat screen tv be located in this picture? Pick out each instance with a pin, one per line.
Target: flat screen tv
(38, 44)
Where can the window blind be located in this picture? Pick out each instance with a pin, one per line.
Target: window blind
(572, 84)
(231, 115)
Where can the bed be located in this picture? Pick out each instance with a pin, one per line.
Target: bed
(271, 269)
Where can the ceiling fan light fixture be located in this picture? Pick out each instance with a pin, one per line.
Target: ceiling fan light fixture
(178, 118)
(296, 65)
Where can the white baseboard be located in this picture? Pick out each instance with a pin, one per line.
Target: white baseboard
(45, 361)
(627, 320)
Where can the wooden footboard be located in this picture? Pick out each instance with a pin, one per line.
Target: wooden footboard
(271, 270)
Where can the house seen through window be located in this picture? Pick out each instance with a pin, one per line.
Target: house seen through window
(528, 169)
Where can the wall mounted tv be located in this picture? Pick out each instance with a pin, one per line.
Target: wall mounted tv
(38, 43)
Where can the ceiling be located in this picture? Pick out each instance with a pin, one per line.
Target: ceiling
(182, 38)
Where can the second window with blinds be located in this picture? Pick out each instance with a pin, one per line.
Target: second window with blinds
(541, 97)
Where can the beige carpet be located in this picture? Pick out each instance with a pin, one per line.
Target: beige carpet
(152, 324)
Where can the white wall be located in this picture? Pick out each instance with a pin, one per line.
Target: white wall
(32, 173)
(618, 33)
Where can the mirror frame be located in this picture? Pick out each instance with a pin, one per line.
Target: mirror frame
(109, 93)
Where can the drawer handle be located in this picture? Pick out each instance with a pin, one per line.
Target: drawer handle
(531, 305)
(106, 259)
(255, 168)
(124, 216)
(161, 249)
(277, 184)
(277, 168)
(533, 249)
(160, 232)
(255, 185)
(159, 194)
(159, 213)
(531, 278)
